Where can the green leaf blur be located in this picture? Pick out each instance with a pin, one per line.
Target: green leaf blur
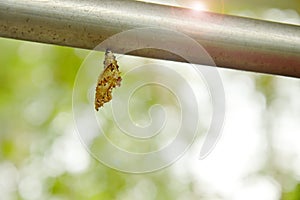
(36, 83)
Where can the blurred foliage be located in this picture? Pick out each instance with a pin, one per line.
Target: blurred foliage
(292, 195)
(36, 82)
(35, 106)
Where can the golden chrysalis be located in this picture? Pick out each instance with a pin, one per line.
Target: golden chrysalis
(108, 79)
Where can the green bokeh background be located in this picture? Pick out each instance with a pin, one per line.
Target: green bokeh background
(36, 83)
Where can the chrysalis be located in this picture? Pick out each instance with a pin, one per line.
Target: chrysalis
(108, 79)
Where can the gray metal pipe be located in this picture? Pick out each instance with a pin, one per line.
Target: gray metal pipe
(233, 42)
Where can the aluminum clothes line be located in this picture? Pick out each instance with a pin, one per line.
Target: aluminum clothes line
(233, 42)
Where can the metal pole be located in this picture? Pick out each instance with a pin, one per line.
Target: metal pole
(233, 42)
